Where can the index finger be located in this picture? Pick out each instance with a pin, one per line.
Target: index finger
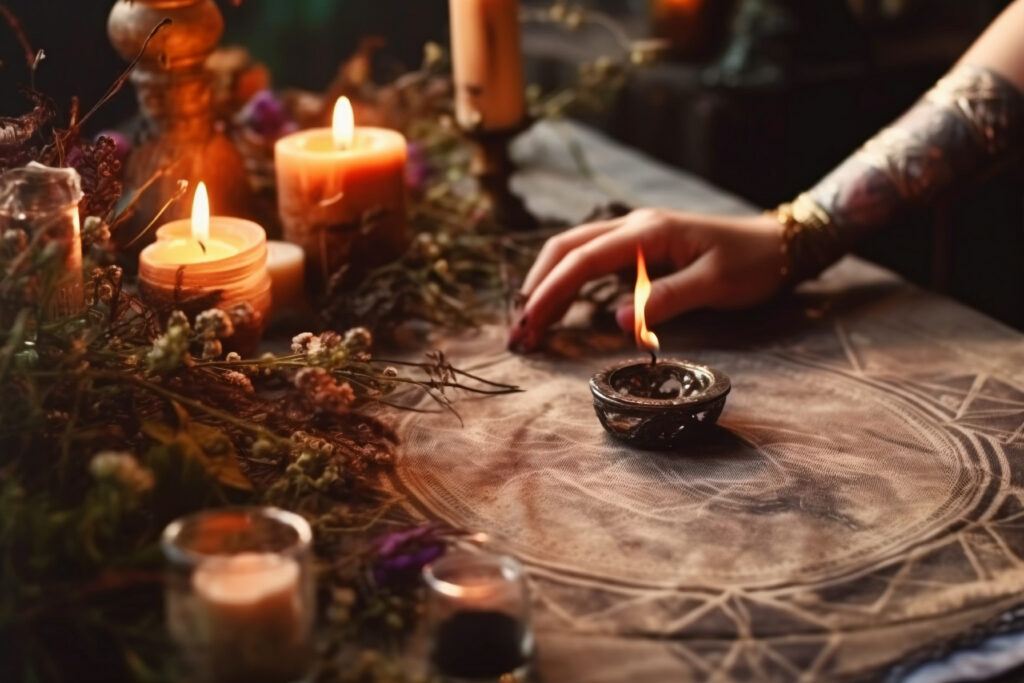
(555, 249)
(606, 253)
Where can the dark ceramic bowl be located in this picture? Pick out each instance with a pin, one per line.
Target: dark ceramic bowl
(658, 406)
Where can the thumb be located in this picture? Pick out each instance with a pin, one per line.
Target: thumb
(682, 291)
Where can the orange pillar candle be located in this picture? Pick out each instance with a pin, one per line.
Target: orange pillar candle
(487, 61)
(209, 262)
(341, 193)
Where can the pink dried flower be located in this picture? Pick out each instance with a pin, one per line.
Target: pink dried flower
(239, 380)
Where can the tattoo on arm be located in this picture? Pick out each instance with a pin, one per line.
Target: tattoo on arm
(972, 121)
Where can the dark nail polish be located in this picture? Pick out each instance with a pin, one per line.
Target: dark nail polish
(522, 339)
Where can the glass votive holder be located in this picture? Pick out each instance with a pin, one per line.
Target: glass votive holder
(41, 204)
(240, 595)
(478, 616)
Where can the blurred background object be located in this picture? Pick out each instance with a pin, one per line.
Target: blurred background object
(761, 97)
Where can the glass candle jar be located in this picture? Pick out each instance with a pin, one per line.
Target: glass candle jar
(172, 277)
(240, 595)
(478, 612)
(39, 211)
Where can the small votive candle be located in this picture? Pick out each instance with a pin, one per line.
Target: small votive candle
(341, 194)
(240, 595)
(478, 611)
(209, 262)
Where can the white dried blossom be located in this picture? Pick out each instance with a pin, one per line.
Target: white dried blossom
(300, 342)
(123, 469)
(179, 319)
(264, 449)
(358, 339)
(214, 324)
(15, 240)
(242, 314)
(169, 350)
(212, 348)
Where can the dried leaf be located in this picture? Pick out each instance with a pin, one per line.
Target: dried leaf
(207, 445)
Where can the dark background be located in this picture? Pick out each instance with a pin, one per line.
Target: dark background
(763, 116)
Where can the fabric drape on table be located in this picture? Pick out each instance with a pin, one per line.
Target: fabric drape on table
(860, 501)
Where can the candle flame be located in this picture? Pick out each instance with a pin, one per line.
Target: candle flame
(645, 339)
(201, 215)
(344, 126)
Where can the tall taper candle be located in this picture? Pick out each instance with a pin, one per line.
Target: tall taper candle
(488, 64)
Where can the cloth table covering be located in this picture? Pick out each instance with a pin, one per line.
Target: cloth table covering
(860, 505)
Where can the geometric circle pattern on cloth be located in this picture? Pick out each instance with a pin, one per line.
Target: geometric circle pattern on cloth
(813, 474)
(852, 493)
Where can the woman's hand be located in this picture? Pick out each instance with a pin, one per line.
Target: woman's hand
(714, 261)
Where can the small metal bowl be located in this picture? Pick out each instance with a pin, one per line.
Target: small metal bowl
(658, 406)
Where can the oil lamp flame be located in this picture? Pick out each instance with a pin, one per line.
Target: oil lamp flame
(645, 339)
(344, 126)
(201, 215)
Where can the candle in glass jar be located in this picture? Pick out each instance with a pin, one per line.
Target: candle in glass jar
(341, 193)
(206, 262)
(487, 62)
(252, 594)
(240, 598)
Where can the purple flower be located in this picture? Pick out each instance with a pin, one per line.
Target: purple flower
(267, 116)
(122, 145)
(418, 168)
(400, 556)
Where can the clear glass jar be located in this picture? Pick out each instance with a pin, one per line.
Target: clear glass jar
(478, 612)
(240, 594)
(39, 212)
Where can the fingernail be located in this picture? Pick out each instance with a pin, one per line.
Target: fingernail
(522, 337)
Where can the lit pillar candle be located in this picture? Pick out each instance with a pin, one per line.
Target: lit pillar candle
(206, 262)
(487, 62)
(341, 193)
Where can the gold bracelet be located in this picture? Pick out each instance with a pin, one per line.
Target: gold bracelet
(810, 240)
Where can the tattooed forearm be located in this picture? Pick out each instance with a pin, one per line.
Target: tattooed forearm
(972, 121)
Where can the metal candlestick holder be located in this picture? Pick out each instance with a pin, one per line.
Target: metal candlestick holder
(658, 405)
(493, 167)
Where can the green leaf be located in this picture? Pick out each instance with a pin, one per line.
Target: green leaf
(205, 444)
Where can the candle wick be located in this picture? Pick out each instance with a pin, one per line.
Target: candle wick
(654, 359)
(203, 247)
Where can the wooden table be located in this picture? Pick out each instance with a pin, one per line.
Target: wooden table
(861, 506)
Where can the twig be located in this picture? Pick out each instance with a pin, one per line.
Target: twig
(123, 78)
(60, 140)
(178, 194)
(19, 34)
